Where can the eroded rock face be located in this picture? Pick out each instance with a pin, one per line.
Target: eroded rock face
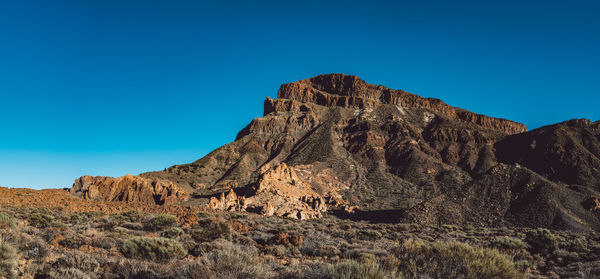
(351, 92)
(128, 188)
(280, 192)
(229, 202)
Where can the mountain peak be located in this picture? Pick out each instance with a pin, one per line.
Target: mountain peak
(347, 91)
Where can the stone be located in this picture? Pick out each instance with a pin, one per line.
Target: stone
(128, 189)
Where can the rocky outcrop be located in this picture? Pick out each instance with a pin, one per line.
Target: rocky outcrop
(280, 192)
(227, 202)
(128, 189)
(351, 92)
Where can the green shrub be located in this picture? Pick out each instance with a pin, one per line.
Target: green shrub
(577, 245)
(368, 235)
(452, 260)
(506, 243)
(77, 218)
(161, 221)
(41, 218)
(448, 228)
(6, 222)
(213, 230)
(8, 261)
(155, 249)
(369, 269)
(173, 232)
(541, 240)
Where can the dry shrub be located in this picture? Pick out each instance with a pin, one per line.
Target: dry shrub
(150, 248)
(8, 261)
(234, 261)
(452, 260)
(367, 269)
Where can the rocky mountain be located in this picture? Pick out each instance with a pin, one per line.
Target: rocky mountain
(335, 142)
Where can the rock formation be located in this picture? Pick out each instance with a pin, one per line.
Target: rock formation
(335, 141)
(129, 189)
(279, 191)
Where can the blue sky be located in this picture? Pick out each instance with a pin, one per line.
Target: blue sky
(116, 87)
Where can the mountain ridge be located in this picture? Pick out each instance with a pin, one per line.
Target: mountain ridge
(353, 144)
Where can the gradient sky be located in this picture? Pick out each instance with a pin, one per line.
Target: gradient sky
(116, 87)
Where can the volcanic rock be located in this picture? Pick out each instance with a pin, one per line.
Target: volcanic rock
(128, 189)
(334, 142)
(280, 192)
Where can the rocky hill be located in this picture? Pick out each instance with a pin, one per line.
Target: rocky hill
(335, 142)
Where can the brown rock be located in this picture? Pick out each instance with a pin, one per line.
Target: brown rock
(352, 92)
(229, 202)
(128, 189)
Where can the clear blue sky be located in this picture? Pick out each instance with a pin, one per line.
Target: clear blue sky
(116, 87)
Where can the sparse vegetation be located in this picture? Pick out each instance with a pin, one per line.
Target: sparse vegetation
(453, 260)
(541, 240)
(8, 261)
(6, 222)
(161, 221)
(368, 269)
(153, 248)
(136, 244)
(41, 218)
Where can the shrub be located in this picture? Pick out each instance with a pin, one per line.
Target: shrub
(578, 245)
(155, 249)
(506, 243)
(6, 222)
(174, 232)
(41, 218)
(77, 218)
(233, 261)
(161, 221)
(193, 270)
(369, 269)
(33, 248)
(71, 273)
(213, 230)
(8, 261)
(452, 260)
(541, 240)
(448, 228)
(368, 235)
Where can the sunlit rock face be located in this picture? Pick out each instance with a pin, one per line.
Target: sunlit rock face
(336, 142)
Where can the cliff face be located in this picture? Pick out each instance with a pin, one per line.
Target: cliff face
(351, 92)
(346, 143)
(130, 189)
